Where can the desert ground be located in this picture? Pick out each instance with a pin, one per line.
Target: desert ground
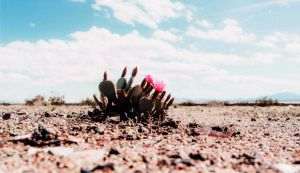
(195, 139)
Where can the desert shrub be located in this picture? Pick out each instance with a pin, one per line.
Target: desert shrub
(5, 104)
(265, 101)
(188, 103)
(37, 101)
(56, 100)
(29, 102)
(87, 102)
(240, 103)
(216, 103)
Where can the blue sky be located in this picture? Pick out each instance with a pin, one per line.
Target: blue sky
(201, 49)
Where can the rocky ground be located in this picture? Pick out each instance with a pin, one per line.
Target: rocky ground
(198, 139)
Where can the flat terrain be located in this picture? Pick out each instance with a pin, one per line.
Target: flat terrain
(206, 139)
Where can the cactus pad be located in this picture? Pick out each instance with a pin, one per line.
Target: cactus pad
(107, 88)
(135, 94)
(145, 105)
(121, 83)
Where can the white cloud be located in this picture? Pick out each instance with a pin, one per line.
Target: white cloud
(282, 42)
(231, 33)
(166, 35)
(146, 12)
(264, 5)
(74, 67)
(293, 47)
(204, 24)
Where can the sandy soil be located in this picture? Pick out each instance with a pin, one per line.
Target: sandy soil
(201, 139)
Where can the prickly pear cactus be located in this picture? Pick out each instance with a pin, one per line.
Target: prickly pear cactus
(136, 103)
(107, 88)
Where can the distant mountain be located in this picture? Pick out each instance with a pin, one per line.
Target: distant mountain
(285, 96)
(288, 97)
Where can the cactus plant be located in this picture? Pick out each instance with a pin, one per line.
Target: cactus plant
(122, 82)
(138, 102)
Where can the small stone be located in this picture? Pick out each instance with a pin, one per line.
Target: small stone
(266, 134)
(46, 114)
(113, 151)
(106, 167)
(84, 171)
(169, 123)
(186, 162)
(21, 113)
(138, 171)
(43, 133)
(219, 129)
(193, 125)
(297, 162)
(93, 129)
(175, 156)
(196, 156)
(162, 163)
(237, 133)
(6, 116)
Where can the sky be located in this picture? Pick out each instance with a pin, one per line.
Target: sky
(201, 49)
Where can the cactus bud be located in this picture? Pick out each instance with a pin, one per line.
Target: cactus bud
(167, 99)
(162, 95)
(124, 72)
(105, 76)
(170, 103)
(134, 72)
(143, 83)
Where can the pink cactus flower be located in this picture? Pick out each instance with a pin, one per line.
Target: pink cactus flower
(149, 79)
(159, 86)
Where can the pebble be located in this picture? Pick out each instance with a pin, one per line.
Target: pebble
(6, 116)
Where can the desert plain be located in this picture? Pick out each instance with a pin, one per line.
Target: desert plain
(225, 139)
